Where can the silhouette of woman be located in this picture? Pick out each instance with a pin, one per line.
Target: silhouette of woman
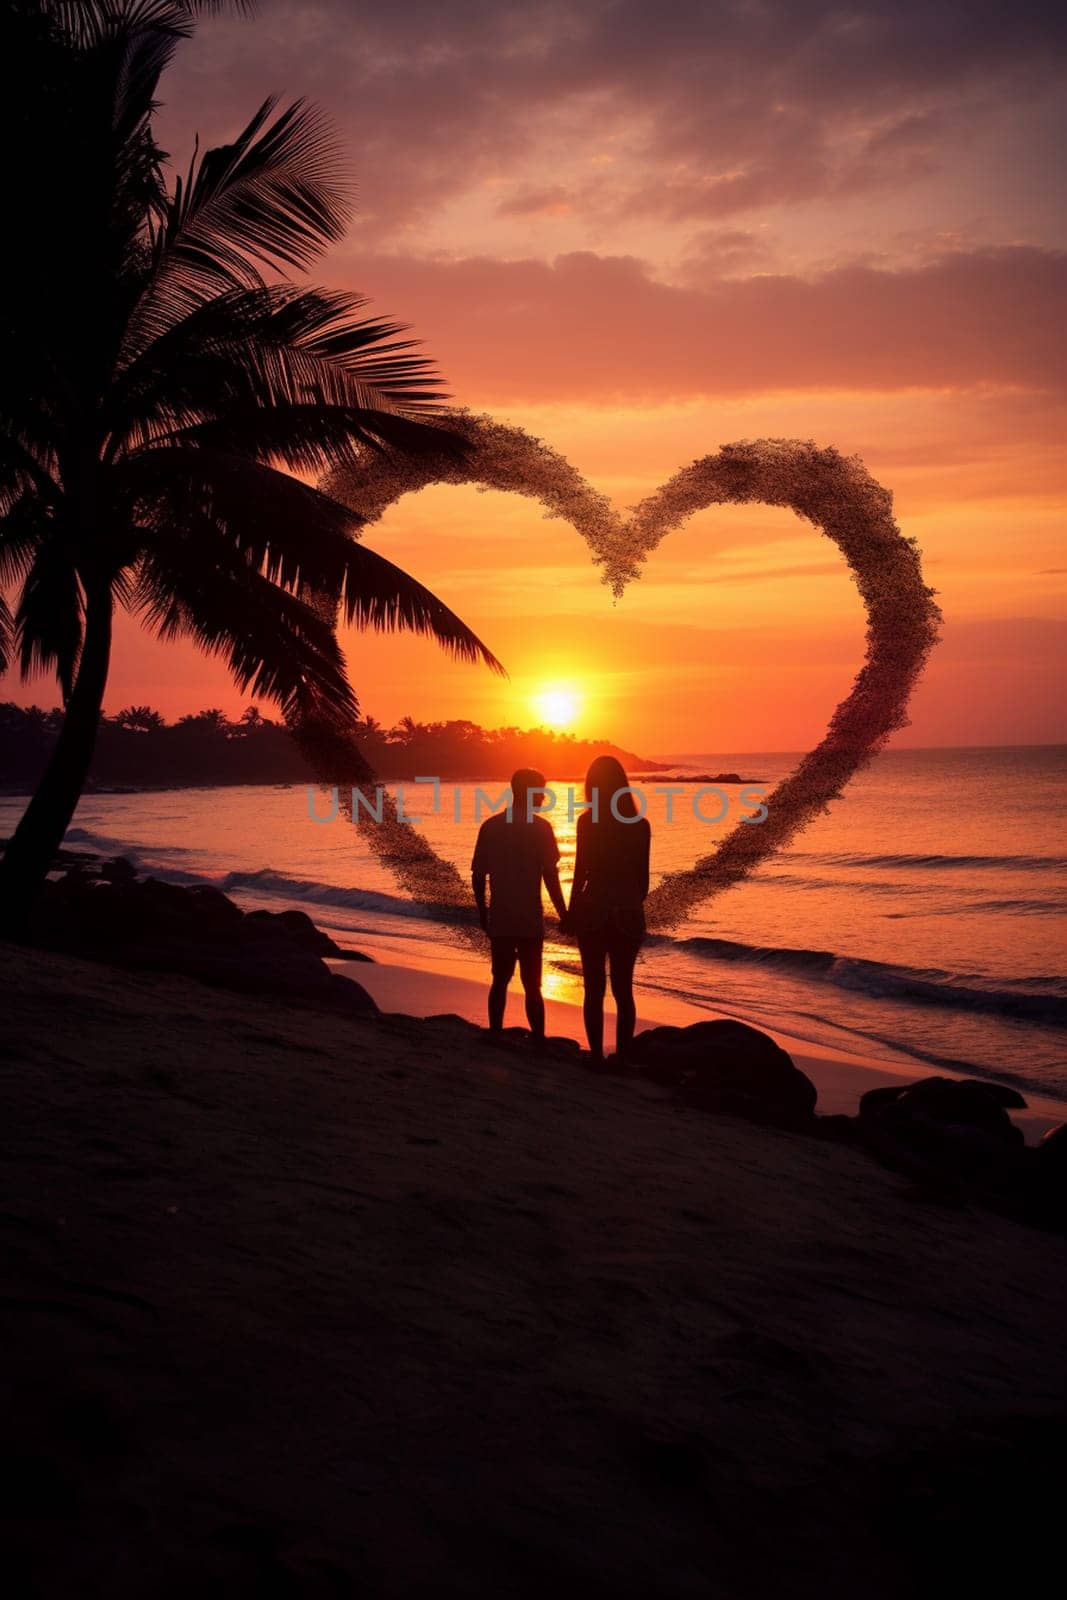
(606, 910)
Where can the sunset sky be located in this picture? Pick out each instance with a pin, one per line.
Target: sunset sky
(642, 231)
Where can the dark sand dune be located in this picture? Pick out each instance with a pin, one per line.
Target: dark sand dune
(299, 1306)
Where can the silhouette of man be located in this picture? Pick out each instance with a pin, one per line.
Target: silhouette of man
(517, 852)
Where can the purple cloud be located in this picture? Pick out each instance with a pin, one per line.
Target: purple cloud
(713, 108)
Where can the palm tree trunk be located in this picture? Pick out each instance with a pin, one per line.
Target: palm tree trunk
(32, 851)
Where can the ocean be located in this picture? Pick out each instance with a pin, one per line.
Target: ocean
(923, 913)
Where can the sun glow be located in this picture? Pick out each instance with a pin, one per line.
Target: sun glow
(556, 707)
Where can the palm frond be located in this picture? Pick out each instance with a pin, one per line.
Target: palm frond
(141, 55)
(200, 507)
(289, 531)
(382, 596)
(311, 439)
(7, 635)
(48, 619)
(84, 22)
(274, 642)
(263, 347)
(24, 529)
(28, 468)
(275, 198)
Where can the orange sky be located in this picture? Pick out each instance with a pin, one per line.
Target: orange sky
(641, 239)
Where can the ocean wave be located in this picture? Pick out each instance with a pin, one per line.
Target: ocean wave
(801, 880)
(1042, 908)
(104, 842)
(821, 1030)
(268, 882)
(952, 1063)
(954, 898)
(1022, 863)
(1028, 998)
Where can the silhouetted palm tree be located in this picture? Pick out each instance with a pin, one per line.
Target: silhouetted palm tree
(157, 380)
(139, 719)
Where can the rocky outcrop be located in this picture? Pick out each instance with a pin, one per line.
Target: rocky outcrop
(728, 1067)
(968, 1102)
(955, 1137)
(108, 913)
(956, 1128)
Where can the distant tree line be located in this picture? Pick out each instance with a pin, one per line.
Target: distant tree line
(139, 748)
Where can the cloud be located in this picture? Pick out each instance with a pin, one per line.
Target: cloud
(708, 107)
(555, 201)
(725, 252)
(603, 329)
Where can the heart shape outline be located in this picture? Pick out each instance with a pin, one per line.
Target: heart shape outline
(834, 492)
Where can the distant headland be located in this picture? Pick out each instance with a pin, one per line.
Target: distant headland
(138, 748)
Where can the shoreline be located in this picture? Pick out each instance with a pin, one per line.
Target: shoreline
(200, 930)
(840, 1076)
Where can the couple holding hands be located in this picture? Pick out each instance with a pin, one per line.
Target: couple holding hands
(517, 852)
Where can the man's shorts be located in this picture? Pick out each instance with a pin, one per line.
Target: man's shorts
(527, 952)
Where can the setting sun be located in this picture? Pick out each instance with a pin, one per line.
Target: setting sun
(557, 708)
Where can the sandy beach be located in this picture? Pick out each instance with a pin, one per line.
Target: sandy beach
(301, 1305)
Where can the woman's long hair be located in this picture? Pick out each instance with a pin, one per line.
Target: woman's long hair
(606, 776)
